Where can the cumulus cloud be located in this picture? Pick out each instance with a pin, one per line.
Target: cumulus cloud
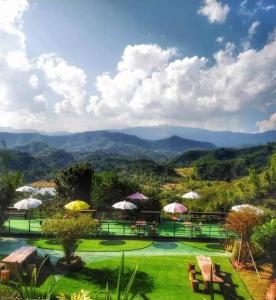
(219, 39)
(269, 124)
(65, 80)
(214, 10)
(189, 88)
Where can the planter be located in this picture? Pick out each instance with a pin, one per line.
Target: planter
(74, 265)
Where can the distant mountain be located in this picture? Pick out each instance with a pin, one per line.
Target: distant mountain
(218, 138)
(113, 142)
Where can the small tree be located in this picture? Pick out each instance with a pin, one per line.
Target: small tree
(68, 231)
(243, 223)
(75, 182)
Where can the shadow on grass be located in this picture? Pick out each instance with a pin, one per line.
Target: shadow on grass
(215, 246)
(165, 245)
(143, 283)
(112, 242)
(228, 292)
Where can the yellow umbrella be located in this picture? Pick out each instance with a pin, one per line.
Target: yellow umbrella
(77, 205)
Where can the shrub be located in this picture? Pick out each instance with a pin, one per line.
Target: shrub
(68, 230)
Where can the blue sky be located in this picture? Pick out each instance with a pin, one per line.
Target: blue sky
(84, 65)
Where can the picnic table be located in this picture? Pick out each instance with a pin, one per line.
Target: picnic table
(20, 256)
(207, 271)
(140, 224)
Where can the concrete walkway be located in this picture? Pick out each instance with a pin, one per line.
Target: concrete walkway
(8, 245)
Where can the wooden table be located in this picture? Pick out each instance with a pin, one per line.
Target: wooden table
(188, 224)
(140, 224)
(17, 258)
(207, 271)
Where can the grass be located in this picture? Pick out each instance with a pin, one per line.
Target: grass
(257, 286)
(160, 277)
(94, 245)
(119, 228)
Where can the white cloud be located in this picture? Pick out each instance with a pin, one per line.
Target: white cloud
(259, 6)
(66, 80)
(219, 39)
(253, 27)
(188, 89)
(269, 124)
(214, 10)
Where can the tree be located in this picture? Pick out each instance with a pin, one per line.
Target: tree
(255, 181)
(109, 188)
(243, 223)
(272, 170)
(75, 182)
(68, 230)
(9, 181)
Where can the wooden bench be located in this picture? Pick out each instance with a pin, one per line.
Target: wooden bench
(208, 272)
(193, 280)
(15, 260)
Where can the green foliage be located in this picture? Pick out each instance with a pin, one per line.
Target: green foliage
(109, 187)
(68, 230)
(21, 290)
(75, 182)
(264, 236)
(225, 163)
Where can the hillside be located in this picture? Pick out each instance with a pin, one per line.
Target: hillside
(44, 164)
(218, 138)
(226, 163)
(112, 142)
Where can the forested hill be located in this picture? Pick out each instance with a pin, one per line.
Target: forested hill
(226, 163)
(44, 163)
(112, 142)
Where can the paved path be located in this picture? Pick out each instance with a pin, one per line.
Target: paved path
(8, 245)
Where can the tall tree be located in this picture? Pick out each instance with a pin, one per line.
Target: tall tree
(75, 182)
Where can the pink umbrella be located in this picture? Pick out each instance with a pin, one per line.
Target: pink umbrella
(175, 208)
(137, 196)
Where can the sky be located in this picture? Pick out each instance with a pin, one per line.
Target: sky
(72, 65)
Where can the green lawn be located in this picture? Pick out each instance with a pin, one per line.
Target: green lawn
(95, 245)
(120, 228)
(160, 277)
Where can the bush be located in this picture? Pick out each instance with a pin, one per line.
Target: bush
(68, 230)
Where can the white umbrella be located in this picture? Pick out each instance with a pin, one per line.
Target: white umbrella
(47, 191)
(27, 203)
(175, 208)
(124, 205)
(191, 195)
(247, 206)
(26, 189)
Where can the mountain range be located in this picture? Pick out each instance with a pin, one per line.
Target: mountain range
(218, 138)
(112, 142)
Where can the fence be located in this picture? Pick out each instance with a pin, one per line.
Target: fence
(109, 228)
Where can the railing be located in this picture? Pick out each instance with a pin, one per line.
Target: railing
(127, 228)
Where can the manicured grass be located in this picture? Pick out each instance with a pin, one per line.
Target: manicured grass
(160, 277)
(95, 245)
(119, 228)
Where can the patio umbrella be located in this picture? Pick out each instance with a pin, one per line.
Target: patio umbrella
(137, 196)
(247, 206)
(191, 195)
(28, 203)
(77, 205)
(175, 208)
(124, 205)
(26, 189)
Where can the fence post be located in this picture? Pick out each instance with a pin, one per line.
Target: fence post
(108, 228)
(9, 225)
(174, 225)
(124, 228)
(29, 226)
(210, 227)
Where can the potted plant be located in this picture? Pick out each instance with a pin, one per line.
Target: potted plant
(68, 230)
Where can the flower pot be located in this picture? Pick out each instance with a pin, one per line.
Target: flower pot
(75, 264)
